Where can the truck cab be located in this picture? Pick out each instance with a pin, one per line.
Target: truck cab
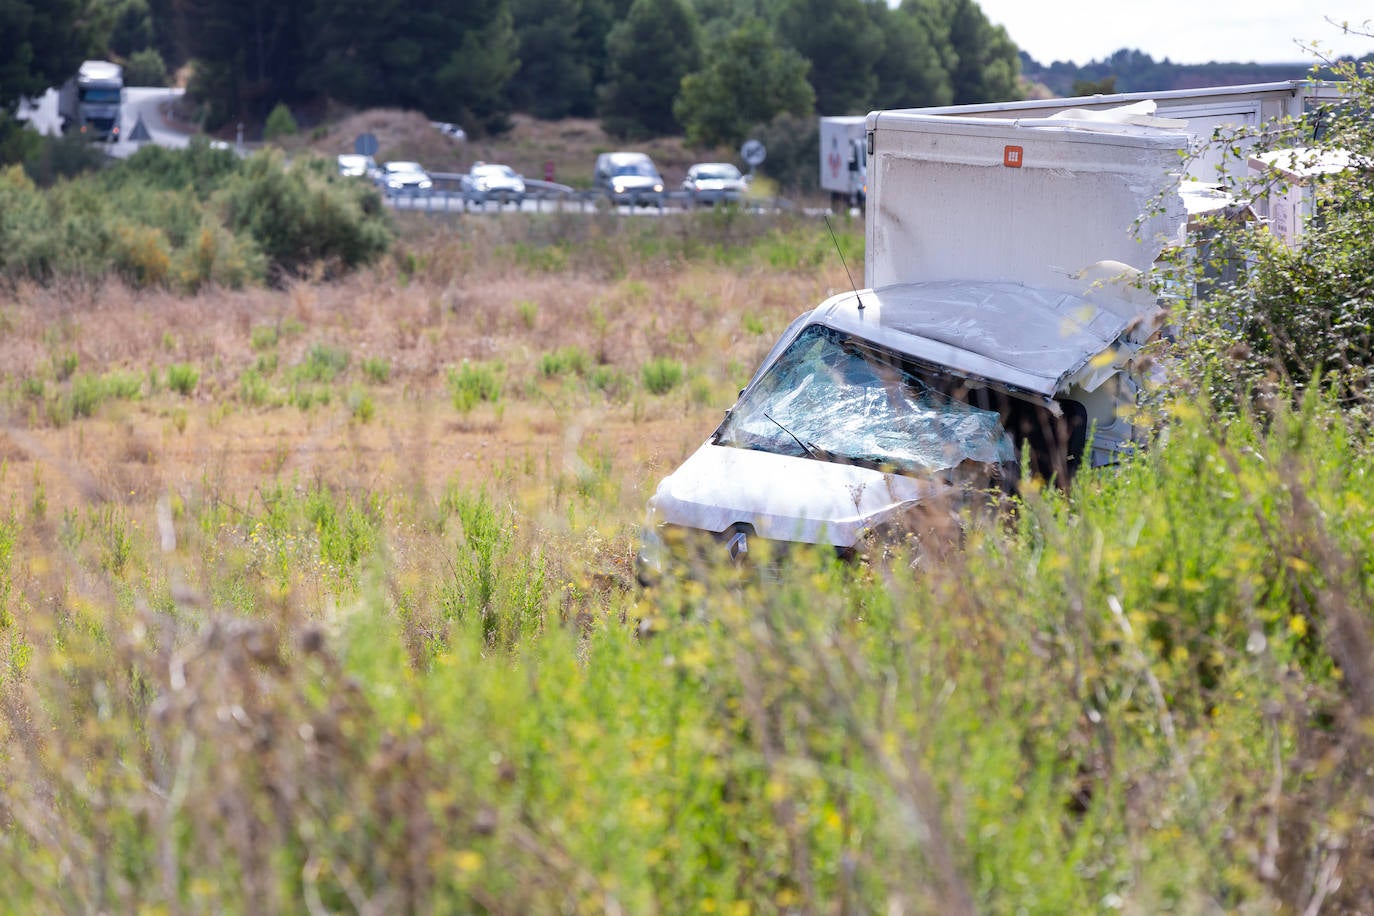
(90, 102)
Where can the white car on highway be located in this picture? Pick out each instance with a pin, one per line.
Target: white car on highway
(491, 180)
(715, 182)
(353, 165)
(404, 177)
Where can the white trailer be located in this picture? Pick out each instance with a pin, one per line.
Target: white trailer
(844, 159)
(89, 103)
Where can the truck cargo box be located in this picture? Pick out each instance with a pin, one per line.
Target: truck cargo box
(982, 199)
(1285, 113)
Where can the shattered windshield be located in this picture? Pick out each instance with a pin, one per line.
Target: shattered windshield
(838, 398)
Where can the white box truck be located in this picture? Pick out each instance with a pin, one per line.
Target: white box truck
(89, 103)
(844, 160)
(1268, 110)
(999, 321)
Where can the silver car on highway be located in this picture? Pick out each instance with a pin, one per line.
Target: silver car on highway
(714, 183)
(403, 177)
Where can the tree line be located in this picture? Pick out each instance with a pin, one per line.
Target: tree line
(710, 69)
(1129, 70)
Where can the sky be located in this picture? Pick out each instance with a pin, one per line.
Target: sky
(1185, 31)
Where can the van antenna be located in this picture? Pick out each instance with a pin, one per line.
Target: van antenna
(836, 243)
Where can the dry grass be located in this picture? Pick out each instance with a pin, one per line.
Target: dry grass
(465, 301)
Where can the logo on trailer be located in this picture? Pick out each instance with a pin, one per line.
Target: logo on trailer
(1012, 156)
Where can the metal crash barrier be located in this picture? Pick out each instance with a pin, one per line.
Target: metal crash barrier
(453, 193)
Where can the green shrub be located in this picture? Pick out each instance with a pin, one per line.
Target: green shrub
(360, 405)
(322, 363)
(280, 123)
(473, 383)
(145, 68)
(298, 217)
(182, 378)
(661, 375)
(53, 159)
(377, 369)
(254, 390)
(64, 364)
(609, 380)
(495, 582)
(140, 254)
(264, 336)
(1305, 313)
(564, 361)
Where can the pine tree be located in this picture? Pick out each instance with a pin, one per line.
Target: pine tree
(647, 55)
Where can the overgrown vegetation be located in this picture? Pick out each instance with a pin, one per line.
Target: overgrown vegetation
(184, 219)
(1287, 314)
(397, 664)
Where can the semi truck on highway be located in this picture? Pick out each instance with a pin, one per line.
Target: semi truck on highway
(89, 103)
(844, 160)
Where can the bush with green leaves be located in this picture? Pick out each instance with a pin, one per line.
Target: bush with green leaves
(661, 375)
(1295, 313)
(184, 218)
(280, 123)
(569, 360)
(473, 383)
(145, 68)
(183, 378)
(299, 217)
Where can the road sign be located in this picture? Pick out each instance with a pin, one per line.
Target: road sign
(365, 145)
(753, 152)
(140, 132)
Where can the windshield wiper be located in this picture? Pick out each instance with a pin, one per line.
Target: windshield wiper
(807, 448)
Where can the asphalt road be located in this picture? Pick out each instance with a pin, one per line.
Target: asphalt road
(139, 101)
(147, 103)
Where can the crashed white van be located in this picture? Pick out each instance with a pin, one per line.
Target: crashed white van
(999, 320)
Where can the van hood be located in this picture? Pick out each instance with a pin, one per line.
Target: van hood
(782, 497)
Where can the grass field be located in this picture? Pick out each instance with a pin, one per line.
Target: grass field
(319, 598)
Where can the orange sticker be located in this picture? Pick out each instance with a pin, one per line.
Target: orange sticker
(1011, 157)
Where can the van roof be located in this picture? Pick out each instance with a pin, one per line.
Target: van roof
(1023, 337)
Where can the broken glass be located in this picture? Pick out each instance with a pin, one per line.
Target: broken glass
(834, 397)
